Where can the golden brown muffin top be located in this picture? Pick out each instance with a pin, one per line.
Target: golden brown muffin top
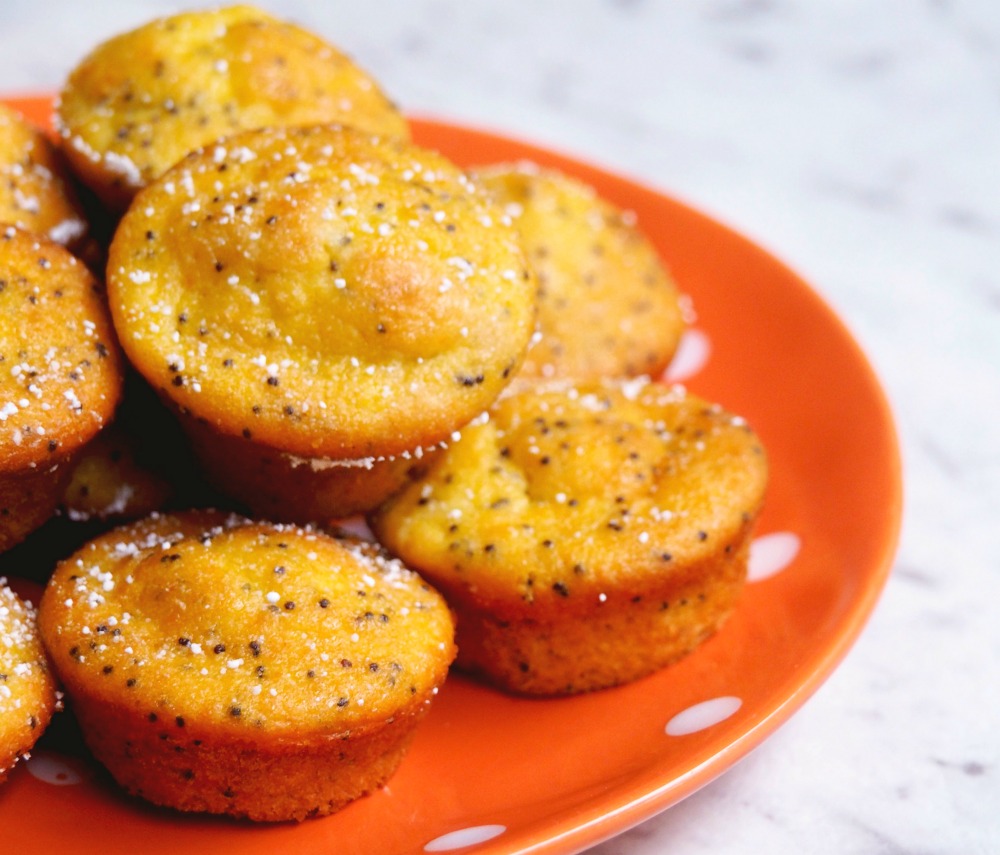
(607, 307)
(570, 495)
(27, 691)
(36, 191)
(200, 620)
(60, 371)
(142, 100)
(321, 291)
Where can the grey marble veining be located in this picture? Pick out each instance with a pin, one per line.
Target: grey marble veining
(860, 142)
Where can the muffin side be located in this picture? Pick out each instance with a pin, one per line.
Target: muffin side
(212, 661)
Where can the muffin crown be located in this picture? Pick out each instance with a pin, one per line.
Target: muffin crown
(36, 191)
(572, 496)
(202, 621)
(142, 100)
(321, 291)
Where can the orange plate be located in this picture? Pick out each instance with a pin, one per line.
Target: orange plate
(496, 774)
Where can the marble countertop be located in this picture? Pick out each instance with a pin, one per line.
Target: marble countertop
(859, 142)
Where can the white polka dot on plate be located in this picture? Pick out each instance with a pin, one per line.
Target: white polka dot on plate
(703, 715)
(464, 837)
(692, 354)
(771, 554)
(52, 769)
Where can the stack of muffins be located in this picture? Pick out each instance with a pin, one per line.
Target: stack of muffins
(312, 318)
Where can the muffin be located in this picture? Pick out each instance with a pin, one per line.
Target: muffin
(322, 293)
(142, 100)
(586, 534)
(607, 307)
(60, 375)
(36, 189)
(250, 669)
(28, 695)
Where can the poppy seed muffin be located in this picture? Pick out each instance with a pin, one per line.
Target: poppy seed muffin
(60, 375)
(28, 695)
(586, 535)
(36, 189)
(248, 669)
(321, 292)
(142, 100)
(607, 307)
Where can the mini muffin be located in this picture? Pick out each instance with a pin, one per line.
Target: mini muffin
(607, 307)
(142, 100)
(243, 668)
(28, 695)
(36, 190)
(322, 292)
(586, 535)
(60, 375)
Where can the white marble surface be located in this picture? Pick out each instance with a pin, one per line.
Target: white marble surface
(860, 142)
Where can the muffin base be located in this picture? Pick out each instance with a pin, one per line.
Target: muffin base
(269, 779)
(627, 636)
